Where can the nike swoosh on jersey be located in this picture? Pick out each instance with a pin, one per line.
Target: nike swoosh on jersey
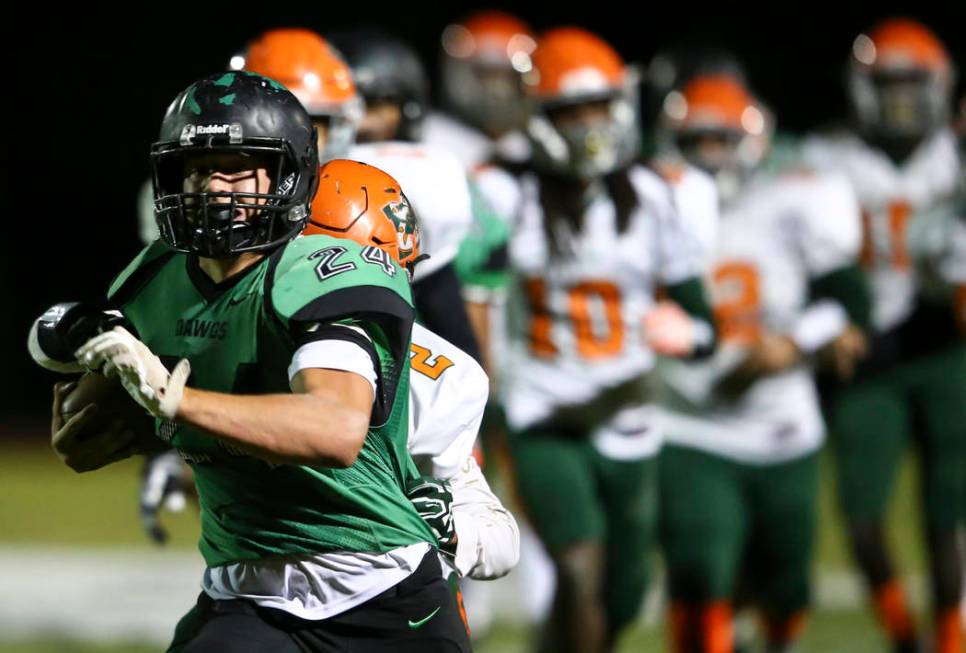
(416, 624)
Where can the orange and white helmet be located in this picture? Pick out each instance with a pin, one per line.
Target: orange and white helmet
(571, 66)
(900, 79)
(316, 74)
(715, 123)
(362, 203)
(483, 57)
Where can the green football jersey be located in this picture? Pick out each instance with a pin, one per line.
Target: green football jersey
(240, 336)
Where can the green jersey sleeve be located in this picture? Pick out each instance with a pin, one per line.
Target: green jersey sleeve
(481, 262)
(321, 280)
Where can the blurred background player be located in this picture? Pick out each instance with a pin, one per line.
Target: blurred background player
(594, 236)
(482, 60)
(390, 78)
(434, 180)
(900, 157)
(739, 468)
(670, 69)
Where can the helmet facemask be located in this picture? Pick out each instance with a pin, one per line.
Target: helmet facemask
(716, 125)
(586, 148)
(220, 224)
(906, 103)
(340, 123)
(487, 95)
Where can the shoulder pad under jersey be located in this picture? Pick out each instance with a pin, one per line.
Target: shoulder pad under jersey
(138, 272)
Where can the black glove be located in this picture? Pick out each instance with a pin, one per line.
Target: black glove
(162, 485)
(433, 500)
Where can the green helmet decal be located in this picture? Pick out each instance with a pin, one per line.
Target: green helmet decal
(225, 80)
(402, 216)
(191, 102)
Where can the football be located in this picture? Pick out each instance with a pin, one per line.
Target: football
(112, 400)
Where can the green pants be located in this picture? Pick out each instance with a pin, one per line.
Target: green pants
(573, 494)
(873, 420)
(718, 514)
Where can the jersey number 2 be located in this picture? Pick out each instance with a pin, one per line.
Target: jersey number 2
(419, 360)
(328, 266)
(737, 302)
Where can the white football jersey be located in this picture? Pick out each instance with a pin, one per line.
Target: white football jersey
(937, 247)
(447, 394)
(574, 318)
(696, 200)
(774, 237)
(890, 195)
(435, 183)
(472, 147)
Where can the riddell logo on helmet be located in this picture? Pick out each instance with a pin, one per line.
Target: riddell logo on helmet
(234, 131)
(212, 129)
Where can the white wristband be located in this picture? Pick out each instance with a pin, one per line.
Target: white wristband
(821, 323)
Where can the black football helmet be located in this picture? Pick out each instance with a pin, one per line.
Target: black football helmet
(386, 69)
(243, 116)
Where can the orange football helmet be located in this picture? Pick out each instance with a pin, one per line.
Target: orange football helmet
(483, 57)
(900, 79)
(362, 203)
(571, 66)
(716, 124)
(317, 75)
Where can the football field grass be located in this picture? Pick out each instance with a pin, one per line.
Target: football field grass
(44, 504)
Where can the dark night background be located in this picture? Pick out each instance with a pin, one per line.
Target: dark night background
(87, 95)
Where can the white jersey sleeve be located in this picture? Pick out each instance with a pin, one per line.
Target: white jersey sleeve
(678, 245)
(696, 199)
(501, 190)
(448, 392)
(470, 146)
(435, 183)
(335, 354)
(829, 222)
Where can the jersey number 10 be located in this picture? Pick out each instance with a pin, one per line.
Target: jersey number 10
(590, 303)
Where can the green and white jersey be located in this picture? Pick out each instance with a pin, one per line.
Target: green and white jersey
(481, 260)
(774, 237)
(240, 337)
(890, 195)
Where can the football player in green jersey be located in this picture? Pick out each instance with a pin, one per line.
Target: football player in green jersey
(287, 357)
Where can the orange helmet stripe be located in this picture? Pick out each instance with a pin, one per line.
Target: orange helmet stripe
(573, 61)
(716, 101)
(905, 42)
(306, 64)
(493, 35)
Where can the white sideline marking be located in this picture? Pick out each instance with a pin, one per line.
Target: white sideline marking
(110, 595)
